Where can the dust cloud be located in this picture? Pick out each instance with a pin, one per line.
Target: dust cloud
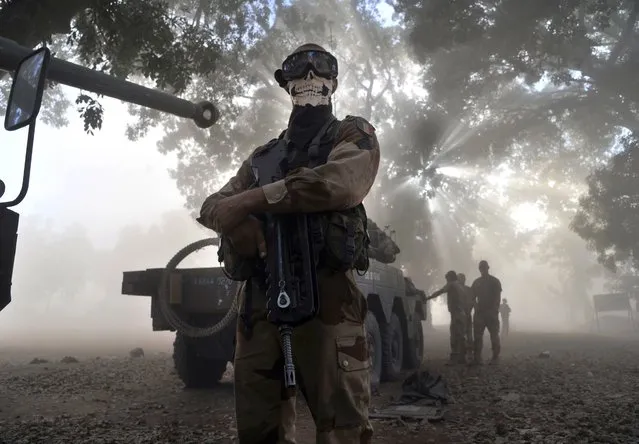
(97, 206)
(67, 292)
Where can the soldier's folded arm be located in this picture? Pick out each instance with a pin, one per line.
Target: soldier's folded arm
(239, 183)
(341, 183)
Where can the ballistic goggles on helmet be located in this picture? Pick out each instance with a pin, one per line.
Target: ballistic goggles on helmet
(298, 65)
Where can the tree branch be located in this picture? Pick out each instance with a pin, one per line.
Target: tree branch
(369, 90)
(385, 88)
(625, 34)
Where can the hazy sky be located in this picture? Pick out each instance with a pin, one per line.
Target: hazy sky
(103, 181)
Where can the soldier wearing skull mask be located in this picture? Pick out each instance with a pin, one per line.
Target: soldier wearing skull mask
(330, 350)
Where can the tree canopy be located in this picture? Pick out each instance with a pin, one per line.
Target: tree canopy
(554, 87)
(608, 217)
(169, 43)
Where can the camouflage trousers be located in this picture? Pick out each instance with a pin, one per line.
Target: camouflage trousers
(332, 364)
(469, 332)
(457, 335)
(505, 323)
(486, 321)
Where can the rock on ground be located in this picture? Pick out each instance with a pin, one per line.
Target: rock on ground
(583, 391)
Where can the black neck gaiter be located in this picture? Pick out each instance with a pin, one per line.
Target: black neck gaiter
(305, 122)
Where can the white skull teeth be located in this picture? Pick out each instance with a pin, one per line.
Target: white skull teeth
(305, 90)
(313, 91)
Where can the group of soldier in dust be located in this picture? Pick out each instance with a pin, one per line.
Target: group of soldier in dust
(473, 310)
(305, 189)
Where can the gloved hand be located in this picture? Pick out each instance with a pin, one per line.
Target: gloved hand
(248, 238)
(227, 213)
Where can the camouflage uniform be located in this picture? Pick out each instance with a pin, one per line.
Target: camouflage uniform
(457, 332)
(330, 351)
(455, 300)
(487, 290)
(504, 310)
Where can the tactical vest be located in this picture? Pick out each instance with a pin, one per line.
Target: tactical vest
(318, 150)
(344, 240)
(345, 233)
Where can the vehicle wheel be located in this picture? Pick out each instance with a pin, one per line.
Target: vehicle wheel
(392, 349)
(374, 340)
(415, 347)
(194, 370)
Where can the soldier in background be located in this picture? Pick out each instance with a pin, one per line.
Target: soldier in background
(469, 304)
(487, 292)
(504, 311)
(455, 301)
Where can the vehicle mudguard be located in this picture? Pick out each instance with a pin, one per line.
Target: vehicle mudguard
(220, 346)
(8, 238)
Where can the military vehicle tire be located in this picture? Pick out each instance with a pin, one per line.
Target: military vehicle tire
(415, 352)
(194, 370)
(392, 349)
(374, 340)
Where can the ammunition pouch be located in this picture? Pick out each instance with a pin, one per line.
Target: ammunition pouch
(235, 266)
(345, 240)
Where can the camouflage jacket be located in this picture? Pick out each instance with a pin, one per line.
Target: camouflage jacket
(341, 183)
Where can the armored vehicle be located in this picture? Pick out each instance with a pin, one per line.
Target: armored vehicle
(197, 297)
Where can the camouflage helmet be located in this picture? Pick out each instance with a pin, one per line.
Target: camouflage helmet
(308, 47)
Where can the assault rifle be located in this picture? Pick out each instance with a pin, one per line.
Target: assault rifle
(293, 242)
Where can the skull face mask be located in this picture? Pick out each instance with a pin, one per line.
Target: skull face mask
(309, 75)
(310, 90)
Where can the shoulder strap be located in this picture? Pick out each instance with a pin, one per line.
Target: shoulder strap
(264, 148)
(313, 148)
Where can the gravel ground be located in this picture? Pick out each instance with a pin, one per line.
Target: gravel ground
(583, 390)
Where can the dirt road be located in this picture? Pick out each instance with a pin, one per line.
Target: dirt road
(583, 391)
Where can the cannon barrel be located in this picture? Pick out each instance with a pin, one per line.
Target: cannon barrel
(203, 113)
